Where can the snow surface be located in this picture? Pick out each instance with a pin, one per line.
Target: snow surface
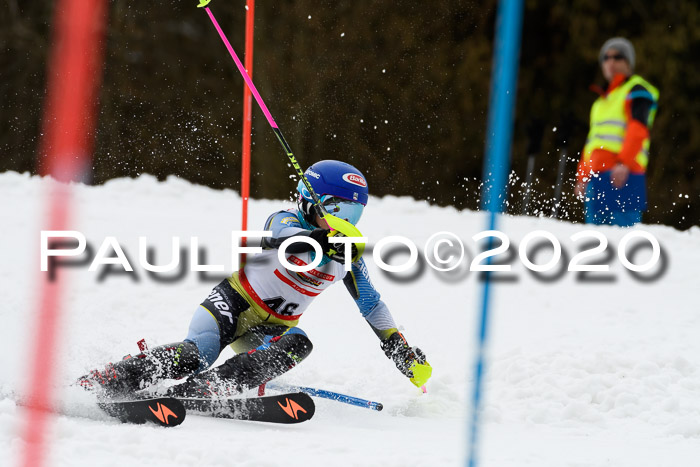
(580, 373)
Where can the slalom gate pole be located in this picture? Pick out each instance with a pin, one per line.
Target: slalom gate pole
(356, 401)
(73, 80)
(247, 123)
(329, 221)
(268, 116)
(498, 144)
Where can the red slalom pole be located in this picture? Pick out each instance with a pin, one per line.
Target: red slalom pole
(247, 120)
(74, 74)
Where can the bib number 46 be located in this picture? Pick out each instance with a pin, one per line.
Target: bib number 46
(280, 306)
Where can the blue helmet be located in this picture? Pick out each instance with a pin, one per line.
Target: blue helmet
(341, 188)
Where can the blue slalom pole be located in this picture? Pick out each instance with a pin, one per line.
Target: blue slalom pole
(495, 175)
(329, 395)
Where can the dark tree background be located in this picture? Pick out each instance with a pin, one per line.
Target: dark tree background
(400, 90)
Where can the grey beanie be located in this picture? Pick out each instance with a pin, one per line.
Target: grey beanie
(620, 44)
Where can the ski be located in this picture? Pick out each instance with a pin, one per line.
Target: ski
(284, 408)
(163, 411)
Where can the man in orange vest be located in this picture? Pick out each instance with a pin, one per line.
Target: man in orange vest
(611, 173)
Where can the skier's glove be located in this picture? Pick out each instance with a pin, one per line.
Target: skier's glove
(321, 236)
(334, 250)
(409, 360)
(337, 252)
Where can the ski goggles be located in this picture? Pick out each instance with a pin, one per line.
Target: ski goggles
(342, 208)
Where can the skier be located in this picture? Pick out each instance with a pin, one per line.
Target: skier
(257, 309)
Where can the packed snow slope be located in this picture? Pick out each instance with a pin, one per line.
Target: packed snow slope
(595, 370)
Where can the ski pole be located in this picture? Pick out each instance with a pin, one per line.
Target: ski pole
(356, 401)
(331, 222)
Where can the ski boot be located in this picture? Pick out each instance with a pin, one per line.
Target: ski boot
(172, 361)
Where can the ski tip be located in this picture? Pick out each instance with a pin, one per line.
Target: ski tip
(295, 407)
(166, 412)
